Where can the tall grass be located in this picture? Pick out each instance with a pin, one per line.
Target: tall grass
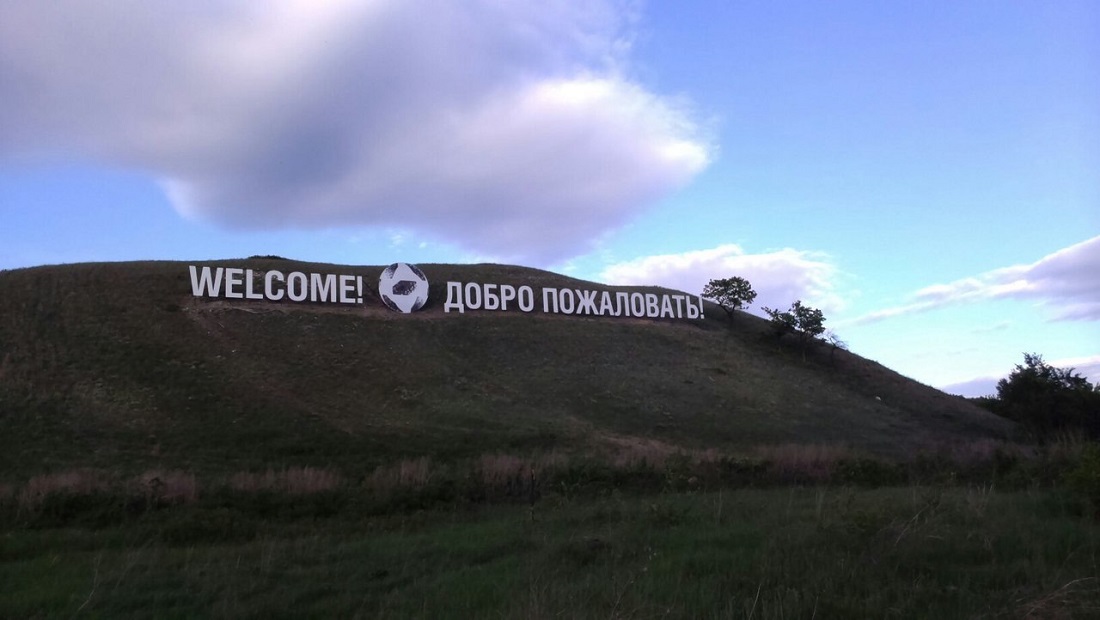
(423, 482)
(292, 481)
(790, 552)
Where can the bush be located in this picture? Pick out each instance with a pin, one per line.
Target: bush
(869, 473)
(1049, 401)
(1084, 479)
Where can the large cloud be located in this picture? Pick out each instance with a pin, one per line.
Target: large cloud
(1067, 282)
(779, 278)
(508, 127)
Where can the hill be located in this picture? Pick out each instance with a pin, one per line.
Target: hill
(119, 365)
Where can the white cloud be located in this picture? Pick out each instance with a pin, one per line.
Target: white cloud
(779, 278)
(1088, 366)
(982, 386)
(1067, 282)
(508, 128)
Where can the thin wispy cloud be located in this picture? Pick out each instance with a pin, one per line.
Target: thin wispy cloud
(779, 278)
(1066, 283)
(511, 129)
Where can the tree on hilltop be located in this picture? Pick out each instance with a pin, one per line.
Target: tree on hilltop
(835, 344)
(806, 322)
(730, 293)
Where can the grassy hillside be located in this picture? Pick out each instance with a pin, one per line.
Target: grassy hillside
(118, 366)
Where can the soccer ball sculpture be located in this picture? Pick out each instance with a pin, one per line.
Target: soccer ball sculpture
(403, 287)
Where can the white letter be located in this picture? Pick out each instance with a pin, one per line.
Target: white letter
(322, 288)
(605, 304)
(586, 303)
(507, 291)
(303, 286)
(248, 285)
(204, 284)
(679, 306)
(652, 309)
(637, 304)
(233, 278)
(347, 288)
(269, 288)
(693, 312)
(552, 295)
(528, 293)
(471, 302)
(562, 303)
(622, 304)
(666, 307)
(454, 297)
(492, 301)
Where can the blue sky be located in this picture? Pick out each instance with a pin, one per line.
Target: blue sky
(928, 173)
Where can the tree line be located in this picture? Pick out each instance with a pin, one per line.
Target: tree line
(804, 322)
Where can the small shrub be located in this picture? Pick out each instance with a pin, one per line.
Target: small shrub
(584, 477)
(1084, 479)
(869, 473)
(93, 509)
(740, 472)
(166, 488)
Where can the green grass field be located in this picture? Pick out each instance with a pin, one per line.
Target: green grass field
(789, 552)
(798, 532)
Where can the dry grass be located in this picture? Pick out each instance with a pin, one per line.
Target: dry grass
(496, 475)
(74, 482)
(511, 475)
(170, 487)
(816, 462)
(1068, 445)
(293, 480)
(1072, 600)
(406, 474)
(977, 452)
(636, 452)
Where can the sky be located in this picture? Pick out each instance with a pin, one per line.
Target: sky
(927, 174)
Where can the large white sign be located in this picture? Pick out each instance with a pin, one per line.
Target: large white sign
(233, 283)
(476, 296)
(404, 288)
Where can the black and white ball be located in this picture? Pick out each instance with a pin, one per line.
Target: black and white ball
(403, 287)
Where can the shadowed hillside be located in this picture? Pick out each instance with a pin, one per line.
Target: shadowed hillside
(118, 365)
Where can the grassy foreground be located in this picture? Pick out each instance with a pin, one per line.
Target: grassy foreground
(787, 552)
